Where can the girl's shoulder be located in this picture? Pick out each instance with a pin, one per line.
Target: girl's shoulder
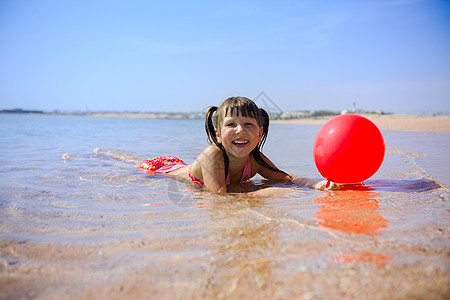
(211, 152)
(211, 158)
(211, 155)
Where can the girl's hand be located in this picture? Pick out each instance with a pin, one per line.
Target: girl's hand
(314, 184)
(326, 185)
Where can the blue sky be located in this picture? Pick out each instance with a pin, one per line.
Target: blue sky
(390, 55)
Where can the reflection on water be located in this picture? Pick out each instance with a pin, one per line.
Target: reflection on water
(351, 210)
(377, 259)
(420, 185)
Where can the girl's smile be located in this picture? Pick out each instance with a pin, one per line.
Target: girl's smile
(239, 142)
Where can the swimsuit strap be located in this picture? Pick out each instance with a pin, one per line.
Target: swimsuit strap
(246, 173)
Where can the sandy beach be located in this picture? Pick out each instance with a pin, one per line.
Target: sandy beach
(390, 122)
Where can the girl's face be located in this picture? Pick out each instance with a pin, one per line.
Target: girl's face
(239, 135)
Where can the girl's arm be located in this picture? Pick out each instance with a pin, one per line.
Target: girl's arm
(271, 174)
(212, 168)
(302, 181)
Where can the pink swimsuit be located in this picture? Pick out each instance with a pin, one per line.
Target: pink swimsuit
(166, 164)
(161, 164)
(246, 174)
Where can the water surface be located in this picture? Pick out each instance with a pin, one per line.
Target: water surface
(185, 241)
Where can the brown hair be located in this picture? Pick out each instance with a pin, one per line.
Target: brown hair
(247, 108)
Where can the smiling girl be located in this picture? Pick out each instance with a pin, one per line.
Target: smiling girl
(237, 130)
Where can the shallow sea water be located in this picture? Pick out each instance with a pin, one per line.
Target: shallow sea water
(96, 226)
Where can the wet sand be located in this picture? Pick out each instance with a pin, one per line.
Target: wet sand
(390, 122)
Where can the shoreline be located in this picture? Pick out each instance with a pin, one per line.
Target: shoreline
(388, 122)
(405, 122)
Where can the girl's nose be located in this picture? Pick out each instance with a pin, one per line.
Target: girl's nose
(239, 128)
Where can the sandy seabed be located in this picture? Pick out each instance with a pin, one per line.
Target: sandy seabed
(246, 252)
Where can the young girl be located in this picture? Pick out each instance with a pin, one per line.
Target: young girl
(237, 130)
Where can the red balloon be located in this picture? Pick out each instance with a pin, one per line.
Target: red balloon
(348, 149)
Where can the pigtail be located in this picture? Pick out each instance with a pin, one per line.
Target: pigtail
(265, 125)
(257, 154)
(209, 126)
(212, 135)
